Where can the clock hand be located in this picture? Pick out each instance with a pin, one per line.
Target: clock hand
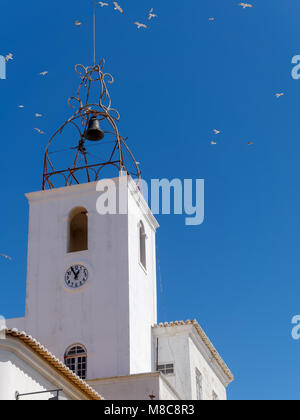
(76, 275)
(73, 272)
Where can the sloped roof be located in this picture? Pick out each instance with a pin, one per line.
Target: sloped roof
(205, 339)
(54, 362)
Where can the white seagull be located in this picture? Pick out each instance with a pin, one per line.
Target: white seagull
(140, 25)
(151, 15)
(118, 7)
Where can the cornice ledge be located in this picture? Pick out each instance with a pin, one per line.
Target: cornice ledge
(140, 201)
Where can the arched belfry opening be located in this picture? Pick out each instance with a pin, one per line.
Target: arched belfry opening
(78, 230)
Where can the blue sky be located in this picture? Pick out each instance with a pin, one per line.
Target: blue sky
(239, 272)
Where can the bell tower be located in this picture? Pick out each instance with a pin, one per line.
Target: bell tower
(91, 280)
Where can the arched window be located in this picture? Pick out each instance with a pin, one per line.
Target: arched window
(142, 240)
(76, 360)
(78, 230)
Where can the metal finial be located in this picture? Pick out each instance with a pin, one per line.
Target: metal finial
(94, 30)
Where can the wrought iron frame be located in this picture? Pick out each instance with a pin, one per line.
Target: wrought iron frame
(80, 119)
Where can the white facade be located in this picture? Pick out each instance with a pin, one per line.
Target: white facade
(182, 346)
(143, 386)
(23, 371)
(113, 315)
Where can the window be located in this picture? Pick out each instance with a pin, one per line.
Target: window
(199, 385)
(76, 360)
(167, 369)
(142, 239)
(78, 230)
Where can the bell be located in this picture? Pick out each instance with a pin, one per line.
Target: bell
(94, 132)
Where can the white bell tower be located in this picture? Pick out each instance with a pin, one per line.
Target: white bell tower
(108, 309)
(91, 280)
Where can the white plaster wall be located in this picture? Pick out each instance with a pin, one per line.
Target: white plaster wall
(113, 313)
(97, 315)
(142, 289)
(18, 323)
(179, 345)
(165, 391)
(173, 347)
(135, 387)
(17, 375)
(120, 389)
(211, 383)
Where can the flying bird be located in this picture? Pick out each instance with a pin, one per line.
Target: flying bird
(117, 7)
(6, 256)
(250, 143)
(20, 106)
(213, 142)
(9, 57)
(38, 115)
(77, 23)
(278, 95)
(102, 4)
(216, 131)
(151, 15)
(43, 73)
(140, 25)
(39, 131)
(211, 19)
(245, 5)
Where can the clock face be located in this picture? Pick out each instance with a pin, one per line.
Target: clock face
(76, 276)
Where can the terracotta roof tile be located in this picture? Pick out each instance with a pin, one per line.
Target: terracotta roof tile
(54, 362)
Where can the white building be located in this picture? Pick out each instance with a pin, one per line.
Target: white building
(91, 299)
(28, 371)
